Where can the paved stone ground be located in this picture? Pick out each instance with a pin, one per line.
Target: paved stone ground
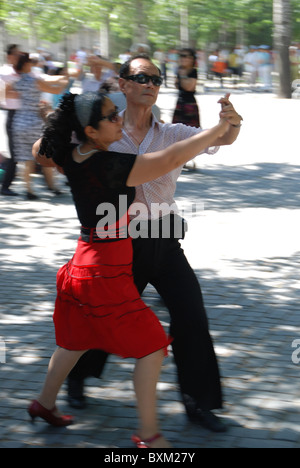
(243, 242)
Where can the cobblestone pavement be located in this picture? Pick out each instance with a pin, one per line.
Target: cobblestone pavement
(243, 243)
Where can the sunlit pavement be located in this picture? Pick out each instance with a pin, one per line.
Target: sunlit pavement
(242, 206)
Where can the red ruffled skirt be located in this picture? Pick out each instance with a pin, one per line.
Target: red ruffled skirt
(98, 305)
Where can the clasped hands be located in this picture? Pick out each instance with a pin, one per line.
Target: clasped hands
(229, 113)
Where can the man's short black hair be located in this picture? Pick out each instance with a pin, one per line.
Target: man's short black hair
(125, 68)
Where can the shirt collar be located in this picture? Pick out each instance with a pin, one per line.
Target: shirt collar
(154, 119)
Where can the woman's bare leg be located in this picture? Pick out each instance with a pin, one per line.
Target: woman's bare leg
(28, 170)
(60, 365)
(146, 374)
(49, 177)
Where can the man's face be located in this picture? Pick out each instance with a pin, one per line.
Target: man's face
(141, 94)
(96, 69)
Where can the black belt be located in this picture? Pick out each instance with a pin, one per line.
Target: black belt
(91, 235)
(167, 227)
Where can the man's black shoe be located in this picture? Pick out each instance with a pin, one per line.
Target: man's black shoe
(204, 418)
(31, 196)
(76, 398)
(207, 419)
(8, 192)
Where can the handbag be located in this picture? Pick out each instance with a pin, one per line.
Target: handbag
(3, 161)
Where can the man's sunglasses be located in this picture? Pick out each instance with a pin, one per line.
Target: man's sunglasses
(141, 78)
(113, 117)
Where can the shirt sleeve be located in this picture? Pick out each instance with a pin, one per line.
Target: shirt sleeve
(181, 132)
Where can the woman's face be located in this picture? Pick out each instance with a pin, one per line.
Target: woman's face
(109, 128)
(186, 61)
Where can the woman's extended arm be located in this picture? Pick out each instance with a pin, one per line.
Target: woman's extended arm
(10, 92)
(53, 84)
(153, 165)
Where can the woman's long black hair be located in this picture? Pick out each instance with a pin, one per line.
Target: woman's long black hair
(62, 123)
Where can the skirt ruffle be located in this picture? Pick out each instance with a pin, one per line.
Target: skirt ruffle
(98, 305)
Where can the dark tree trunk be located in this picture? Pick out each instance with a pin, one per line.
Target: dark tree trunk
(282, 41)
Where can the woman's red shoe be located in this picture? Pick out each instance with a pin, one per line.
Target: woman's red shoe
(144, 443)
(36, 410)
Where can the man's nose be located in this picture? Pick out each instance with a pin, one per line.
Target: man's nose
(150, 84)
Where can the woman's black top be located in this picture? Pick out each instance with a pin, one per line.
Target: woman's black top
(99, 180)
(188, 96)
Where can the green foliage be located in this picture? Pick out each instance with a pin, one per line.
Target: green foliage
(210, 21)
(296, 20)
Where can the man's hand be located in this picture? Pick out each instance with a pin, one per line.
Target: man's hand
(228, 112)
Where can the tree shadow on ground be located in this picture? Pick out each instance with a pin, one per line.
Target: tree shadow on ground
(253, 321)
(266, 185)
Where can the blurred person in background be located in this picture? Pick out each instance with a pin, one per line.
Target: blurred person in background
(11, 103)
(27, 121)
(161, 58)
(70, 79)
(265, 67)
(49, 65)
(234, 65)
(251, 62)
(219, 66)
(202, 63)
(249, 66)
(38, 64)
(187, 111)
(172, 60)
(81, 56)
(100, 71)
(123, 57)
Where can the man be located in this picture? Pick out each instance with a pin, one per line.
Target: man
(161, 58)
(11, 104)
(92, 82)
(161, 261)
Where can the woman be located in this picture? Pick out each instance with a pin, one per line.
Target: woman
(27, 123)
(98, 305)
(187, 111)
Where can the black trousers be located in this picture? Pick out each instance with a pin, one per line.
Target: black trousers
(10, 166)
(162, 263)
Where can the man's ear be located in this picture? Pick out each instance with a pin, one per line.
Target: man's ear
(122, 84)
